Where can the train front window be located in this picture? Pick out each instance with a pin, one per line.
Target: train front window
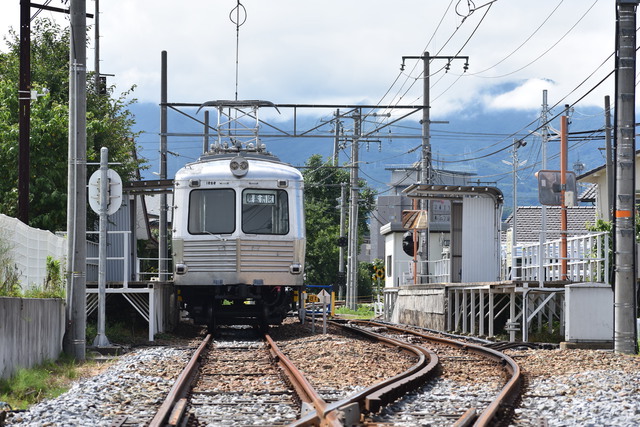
(212, 211)
(265, 212)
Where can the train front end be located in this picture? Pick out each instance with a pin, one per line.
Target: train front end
(238, 238)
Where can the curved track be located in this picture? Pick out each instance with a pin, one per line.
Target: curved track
(469, 363)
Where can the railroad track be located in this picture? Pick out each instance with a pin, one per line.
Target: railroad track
(231, 382)
(242, 382)
(476, 385)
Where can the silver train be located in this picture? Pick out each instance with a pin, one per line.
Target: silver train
(238, 237)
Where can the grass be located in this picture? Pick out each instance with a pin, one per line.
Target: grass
(49, 380)
(364, 312)
(53, 378)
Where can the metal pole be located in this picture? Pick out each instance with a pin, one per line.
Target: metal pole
(426, 162)
(352, 276)
(543, 222)
(96, 42)
(24, 103)
(101, 339)
(343, 217)
(205, 140)
(514, 240)
(425, 176)
(162, 231)
(625, 274)
(75, 344)
(336, 142)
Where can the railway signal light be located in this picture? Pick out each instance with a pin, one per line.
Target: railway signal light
(407, 243)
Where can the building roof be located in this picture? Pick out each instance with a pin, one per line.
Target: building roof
(529, 222)
(589, 193)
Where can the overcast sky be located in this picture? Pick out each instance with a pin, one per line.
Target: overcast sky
(336, 51)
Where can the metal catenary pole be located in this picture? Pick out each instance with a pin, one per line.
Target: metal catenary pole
(162, 238)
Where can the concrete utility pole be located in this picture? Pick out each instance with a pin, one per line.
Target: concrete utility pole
(514, 235)
(163, 222)
(624, 306)
(352, 250)
(24, 108)
(426, 172)
(76, 316)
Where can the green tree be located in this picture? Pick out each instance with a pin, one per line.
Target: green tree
(109, 124)
(322, 191)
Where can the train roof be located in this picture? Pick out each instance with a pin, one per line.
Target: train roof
(216, 162)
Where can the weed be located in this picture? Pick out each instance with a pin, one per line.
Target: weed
(29, 386)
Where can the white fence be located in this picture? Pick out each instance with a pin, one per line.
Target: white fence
(438, 271)
(587, 259)
(29, 248)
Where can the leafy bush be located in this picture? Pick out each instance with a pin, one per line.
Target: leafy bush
(9, 273)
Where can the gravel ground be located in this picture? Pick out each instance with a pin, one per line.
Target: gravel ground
(565, 387)
(134, 386)
(579, 387)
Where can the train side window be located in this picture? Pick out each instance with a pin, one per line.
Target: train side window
(265, 211)
(212, 211)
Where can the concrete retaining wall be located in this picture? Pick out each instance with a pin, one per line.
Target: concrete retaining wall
(31, 331)
(421, 306)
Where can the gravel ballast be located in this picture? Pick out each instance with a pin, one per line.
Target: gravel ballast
(563, 387)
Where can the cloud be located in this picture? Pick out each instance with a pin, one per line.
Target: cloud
(524, 96)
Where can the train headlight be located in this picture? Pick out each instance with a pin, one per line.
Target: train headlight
(181, 269)
(239, 166)
(295, 268)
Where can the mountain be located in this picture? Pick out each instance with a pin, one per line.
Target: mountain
(477, 142)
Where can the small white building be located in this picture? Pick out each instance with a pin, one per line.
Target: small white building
(473, 239)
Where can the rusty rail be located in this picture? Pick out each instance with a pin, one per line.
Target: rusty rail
(174, 405)
(304, 388)
(509, 392)
(374, 397)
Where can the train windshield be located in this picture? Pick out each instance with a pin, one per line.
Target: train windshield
(265, 211)
(212, 211)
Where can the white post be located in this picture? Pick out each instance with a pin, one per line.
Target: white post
(101, 339)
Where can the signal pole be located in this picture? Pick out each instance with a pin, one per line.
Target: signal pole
(624, 305)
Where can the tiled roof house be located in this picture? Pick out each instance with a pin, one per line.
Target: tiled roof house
(529, 222)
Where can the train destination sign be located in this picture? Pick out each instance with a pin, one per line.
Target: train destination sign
(259, 198)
